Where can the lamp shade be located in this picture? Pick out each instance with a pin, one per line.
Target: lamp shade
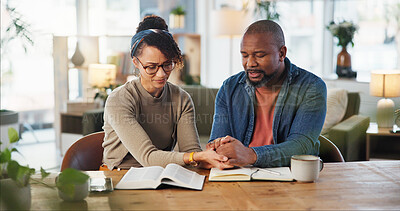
(385, 83)
(102, 75)
(228, 22)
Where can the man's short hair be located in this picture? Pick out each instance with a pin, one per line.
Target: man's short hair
(267, 26)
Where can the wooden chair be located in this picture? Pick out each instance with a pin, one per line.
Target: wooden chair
(86, 154)
(328, 151)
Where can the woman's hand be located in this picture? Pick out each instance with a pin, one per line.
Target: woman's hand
(210, 158)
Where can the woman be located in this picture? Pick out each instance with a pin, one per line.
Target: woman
(145, 118)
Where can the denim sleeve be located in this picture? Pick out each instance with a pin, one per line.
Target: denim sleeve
(304, 130)
(220, 127)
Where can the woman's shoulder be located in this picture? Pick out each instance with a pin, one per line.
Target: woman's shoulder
(127, 90)
(178, 93)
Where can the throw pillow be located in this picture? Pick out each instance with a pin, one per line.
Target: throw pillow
(336, 108)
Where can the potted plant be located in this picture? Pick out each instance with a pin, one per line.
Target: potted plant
(344, 31)
(266, 10)
(8, 119)
(103, 92)
(15, 29)
(15, 178)
(72, 185)
(177, 17)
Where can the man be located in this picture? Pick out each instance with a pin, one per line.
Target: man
(270, 111)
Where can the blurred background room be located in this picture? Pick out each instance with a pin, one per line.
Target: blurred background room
(61, 58)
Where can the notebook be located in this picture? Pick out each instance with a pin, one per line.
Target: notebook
(251, 173)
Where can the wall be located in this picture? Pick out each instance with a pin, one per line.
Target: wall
(216, 51)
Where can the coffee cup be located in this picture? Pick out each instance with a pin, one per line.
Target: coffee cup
(306, 168)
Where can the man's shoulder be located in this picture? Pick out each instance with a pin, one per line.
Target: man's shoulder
(302, 76)
(236, 79)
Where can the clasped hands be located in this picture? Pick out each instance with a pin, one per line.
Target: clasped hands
(236, 153)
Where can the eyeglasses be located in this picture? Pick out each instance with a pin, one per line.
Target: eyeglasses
(153, 69)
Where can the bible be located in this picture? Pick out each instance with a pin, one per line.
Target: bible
(153, 176)
(251, 173)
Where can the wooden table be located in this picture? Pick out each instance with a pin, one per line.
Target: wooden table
(381, 133)
(349, 186)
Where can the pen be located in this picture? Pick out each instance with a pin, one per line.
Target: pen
(270, 171)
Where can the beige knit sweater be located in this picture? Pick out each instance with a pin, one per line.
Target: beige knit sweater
(142, 130)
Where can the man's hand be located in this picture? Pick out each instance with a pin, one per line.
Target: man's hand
(218, 142)
(238, 154)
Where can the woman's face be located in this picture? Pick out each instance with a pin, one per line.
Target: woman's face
(151, 57)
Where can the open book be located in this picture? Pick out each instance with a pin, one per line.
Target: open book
(153, 176)
(251, 173)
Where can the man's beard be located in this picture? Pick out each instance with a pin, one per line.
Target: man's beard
(264, 80)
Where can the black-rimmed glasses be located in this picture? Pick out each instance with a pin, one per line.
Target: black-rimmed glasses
(153, 69)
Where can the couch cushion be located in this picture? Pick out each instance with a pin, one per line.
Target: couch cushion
(336, 108)
(204, 100)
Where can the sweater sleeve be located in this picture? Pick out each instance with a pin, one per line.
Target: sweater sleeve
(120, 113)
(187, 136)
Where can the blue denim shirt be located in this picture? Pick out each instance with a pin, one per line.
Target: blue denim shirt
(298, 117)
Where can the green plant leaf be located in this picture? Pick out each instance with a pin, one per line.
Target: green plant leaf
(44, 173)
(178, 11)
(72, 176)
(68, 178)
(68, 189)
(20, 174)
(12, 135)
(5, 156)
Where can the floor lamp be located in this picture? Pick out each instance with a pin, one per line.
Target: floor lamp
(228, 23)
(386, 84)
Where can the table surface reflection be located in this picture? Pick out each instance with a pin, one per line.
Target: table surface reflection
(351, 185)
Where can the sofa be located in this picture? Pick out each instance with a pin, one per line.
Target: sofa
(348, 135)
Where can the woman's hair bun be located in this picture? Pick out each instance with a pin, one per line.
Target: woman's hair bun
(152, 22)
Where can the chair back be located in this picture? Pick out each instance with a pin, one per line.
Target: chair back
(328, 151)
(86, 154)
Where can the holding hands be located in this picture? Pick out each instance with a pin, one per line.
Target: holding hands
(234, 150)
(209, 158)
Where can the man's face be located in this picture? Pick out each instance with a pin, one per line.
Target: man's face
(261, 57)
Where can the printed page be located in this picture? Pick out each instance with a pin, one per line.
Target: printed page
(141, 178)
(234, 174)
(177, 175)
(277, 174)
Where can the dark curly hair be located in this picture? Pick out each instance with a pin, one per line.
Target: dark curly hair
(152, 22)
(162, 41)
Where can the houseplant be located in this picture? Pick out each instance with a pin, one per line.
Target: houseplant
(344, 31)
(16, 29)
(15, 178)
(266, 9)
(72, 185)
(177, 17)
(103, 92)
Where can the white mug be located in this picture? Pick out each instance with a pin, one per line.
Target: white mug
(306, 168)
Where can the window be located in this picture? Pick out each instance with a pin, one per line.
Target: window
(303, 25)
(27, 83)
(374, 43)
